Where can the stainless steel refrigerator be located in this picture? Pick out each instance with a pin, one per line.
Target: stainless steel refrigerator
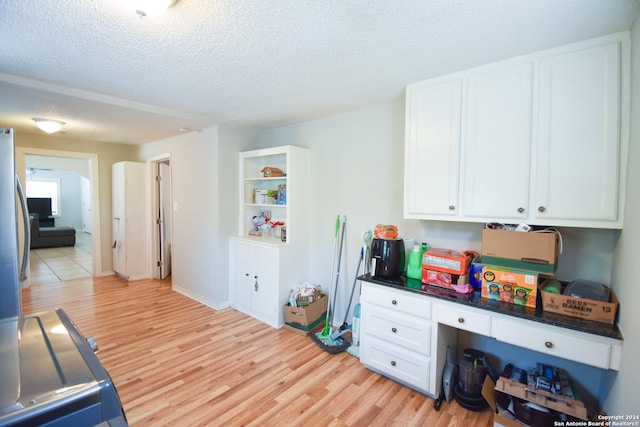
(49, 373)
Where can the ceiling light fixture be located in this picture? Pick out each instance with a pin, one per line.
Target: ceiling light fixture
(149, 7)
(48, 126)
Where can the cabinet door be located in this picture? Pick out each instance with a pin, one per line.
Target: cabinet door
(265, 284)
(432, 149)
(496, 148)
(119, 248)
(578, 135)
(241, 275)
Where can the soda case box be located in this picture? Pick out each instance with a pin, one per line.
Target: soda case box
(511, 286)
(447, 261)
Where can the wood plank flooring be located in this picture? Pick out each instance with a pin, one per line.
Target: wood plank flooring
(177, 362)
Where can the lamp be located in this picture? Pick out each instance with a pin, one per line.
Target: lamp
(149, 7)
(48, 126)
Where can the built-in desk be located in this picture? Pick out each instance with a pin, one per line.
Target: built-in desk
(397, 318)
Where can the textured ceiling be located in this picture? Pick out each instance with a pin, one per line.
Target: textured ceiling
(111, 76)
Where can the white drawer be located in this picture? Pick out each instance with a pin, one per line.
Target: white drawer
(413, 333)
(397, 300)
(572, 345)
(468, 319)
(405, 366)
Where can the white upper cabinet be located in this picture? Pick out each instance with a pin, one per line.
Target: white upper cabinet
(432, 154)
(540, 139)
(578, 132)
(497, 143)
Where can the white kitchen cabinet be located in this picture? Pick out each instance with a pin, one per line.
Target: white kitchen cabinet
(540, 139)
(497, 143)
(264, 269)
(396, 334)
(580, 347)
(255, 275)
(129, 184)
(578, 149)
(432, 153)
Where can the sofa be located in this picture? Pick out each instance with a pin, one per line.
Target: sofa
(50, 237)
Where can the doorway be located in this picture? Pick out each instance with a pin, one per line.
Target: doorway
(161, 220)
(92, 174)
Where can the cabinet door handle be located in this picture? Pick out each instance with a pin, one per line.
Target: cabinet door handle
(256, 286)
(451, 207)
(394, 330)
(394, 302)
(246, 274)
(393, 363)
(460, 319)
(548, 344)
(541, 209)
(520, 210)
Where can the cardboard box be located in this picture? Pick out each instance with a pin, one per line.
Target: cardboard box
(270, 172)
(520, 250)
(512, 286)
(583, 308)
(446, 261)
(305, 330)
(443, 280)
(305, 316)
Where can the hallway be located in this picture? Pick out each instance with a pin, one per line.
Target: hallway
(54, 265)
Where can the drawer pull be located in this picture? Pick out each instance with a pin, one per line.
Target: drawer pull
(460, 319)
(393, 363)
(548, 344)
(394, 302)
(394, 330)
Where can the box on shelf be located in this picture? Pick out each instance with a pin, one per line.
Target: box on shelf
(512, 286)
(446, 261)
(443, 280)
(583, 308)
(270, 172)
(475, 272)
(305, 316)
(535, 251)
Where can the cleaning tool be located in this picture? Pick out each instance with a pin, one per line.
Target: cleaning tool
(327, 331)
(323, 339)
(345, 327)
(355, 329)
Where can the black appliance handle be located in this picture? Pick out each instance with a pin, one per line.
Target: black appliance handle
(27, 231)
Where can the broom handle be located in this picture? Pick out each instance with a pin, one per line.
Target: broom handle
(335, 291)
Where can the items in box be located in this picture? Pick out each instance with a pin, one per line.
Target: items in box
(584, 308)
(511, 286)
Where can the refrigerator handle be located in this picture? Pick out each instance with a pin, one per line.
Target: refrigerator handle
(27, 230)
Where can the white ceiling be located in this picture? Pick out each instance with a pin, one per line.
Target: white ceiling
(114, 77)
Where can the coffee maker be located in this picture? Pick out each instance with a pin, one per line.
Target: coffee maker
(387, 259)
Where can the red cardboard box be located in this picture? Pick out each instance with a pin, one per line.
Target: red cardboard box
(446, 261)
(444, 280)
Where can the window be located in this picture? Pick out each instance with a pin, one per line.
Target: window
(45, 188)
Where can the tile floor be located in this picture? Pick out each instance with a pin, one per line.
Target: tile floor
(53, 265)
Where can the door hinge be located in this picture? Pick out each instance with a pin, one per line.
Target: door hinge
(158, 221)
(158, 178)
(160, 263)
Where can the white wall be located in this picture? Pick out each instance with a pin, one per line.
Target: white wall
(204, 166)
(357, 170)
(623, 398)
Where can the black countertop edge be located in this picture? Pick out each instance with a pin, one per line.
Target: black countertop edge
(475, 300)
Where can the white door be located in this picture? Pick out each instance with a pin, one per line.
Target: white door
(164, 198)
(432, 149)
(87, 218)
(496, 144)
(578, 135)
(118, 200)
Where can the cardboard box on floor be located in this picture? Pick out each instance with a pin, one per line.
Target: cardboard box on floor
(304, 320)
(503, 418)
(533, 251)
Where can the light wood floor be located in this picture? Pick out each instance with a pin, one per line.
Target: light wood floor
(177, 362)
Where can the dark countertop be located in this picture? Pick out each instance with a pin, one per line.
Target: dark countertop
(475, 300)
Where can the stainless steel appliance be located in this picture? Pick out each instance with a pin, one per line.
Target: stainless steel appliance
(49, 373)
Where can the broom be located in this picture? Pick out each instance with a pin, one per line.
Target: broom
(323, 339)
